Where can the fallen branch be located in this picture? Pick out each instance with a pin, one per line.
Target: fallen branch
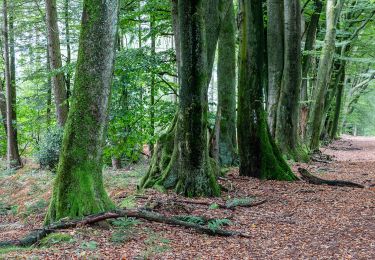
(220, 205)
(308, 177)
(38, 234)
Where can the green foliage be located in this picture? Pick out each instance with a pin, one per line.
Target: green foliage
(155, 244)
(129, 120)
(121, 236)
(128, 202)
(214, 206)
(90, 245)
(191, 219)
(37, 207)
(56, 238)
(125, 222)
(216, 224)
(49, 148)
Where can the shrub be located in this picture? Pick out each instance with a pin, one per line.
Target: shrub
(49, 149)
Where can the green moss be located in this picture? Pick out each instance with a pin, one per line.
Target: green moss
(56, 238)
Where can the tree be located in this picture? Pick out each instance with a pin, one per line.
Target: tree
(310, 40)
(78, 188)
(275, 52)
(13, 157)
(181, 160)
(259, 156)
(324, 71)
(59, 88)
(288, 103)
(226, 109)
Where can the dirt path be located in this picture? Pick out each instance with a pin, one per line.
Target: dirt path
(299, 221)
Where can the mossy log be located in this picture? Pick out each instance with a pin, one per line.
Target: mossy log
(38, 234)
(308, 177)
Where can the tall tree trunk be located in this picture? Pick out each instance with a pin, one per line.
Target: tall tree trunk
(259, 156)
(275, 34)
(68, 49)
(58, 80)
(12, 53)
(152, 87)
(13, 157)
(176, 34)
(324, 71)
(181, 160)
(49, 93)
(78, 188)
(288, 107)
(3, 109)
(307, 63)
(226, 110)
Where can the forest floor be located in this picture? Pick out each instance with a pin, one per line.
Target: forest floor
(298, 221)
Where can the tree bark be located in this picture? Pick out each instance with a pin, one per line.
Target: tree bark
(324, 71)
(13, 157)
(181, 160)
(226, 110)
(275, 51)
(58, 80)
(288, 106)
(259, 156)
(307, 63)
(68, 50)
(78, 188)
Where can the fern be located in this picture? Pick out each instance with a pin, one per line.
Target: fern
(191, 219)
(216, 224)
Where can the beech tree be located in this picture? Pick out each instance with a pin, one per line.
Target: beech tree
(13, 157)
(181, 160)
(59, 87)
(259, 155)
(334, 8)
(226, 111)
(78, 189)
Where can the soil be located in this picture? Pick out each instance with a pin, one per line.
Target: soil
(298, 221)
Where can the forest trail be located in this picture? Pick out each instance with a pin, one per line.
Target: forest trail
(298, 221)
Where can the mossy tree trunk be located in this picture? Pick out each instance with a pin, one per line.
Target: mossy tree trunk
(181, 160)
(78, 189)
(259, 156)
(288, 106)
(226, 114)
(324, 71)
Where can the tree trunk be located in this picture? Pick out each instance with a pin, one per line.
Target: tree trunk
(324, 71)
(288, 107)
(226, 110)
(49, 93)
(307, 63)
(59, 88)
(3, 109)
(78, 188)
(152, 87)
(275, 34)
(259, 156)
(68, 49)
(181, 159)
(13, 157)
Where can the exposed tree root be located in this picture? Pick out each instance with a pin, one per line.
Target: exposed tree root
(38, 234)
(219, 205)
(308, 177)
